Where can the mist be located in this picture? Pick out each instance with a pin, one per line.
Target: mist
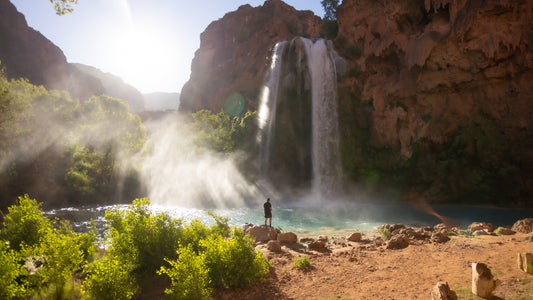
(176, 173)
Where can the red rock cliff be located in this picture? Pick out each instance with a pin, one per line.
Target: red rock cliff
(234, 52)
(452, 61)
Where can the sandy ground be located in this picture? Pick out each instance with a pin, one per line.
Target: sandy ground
(360, 270)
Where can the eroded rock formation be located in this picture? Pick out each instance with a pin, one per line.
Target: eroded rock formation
(234, 52)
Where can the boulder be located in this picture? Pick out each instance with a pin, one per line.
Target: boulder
(524, 226)
(262, 233)
(288, 237)
(318, 245)
(439, 237)
(442, 291)
(525, 262)
(399, 241)
(482, 280)
(355, 237)
(478, 226)
(529, 237)
(274, 246)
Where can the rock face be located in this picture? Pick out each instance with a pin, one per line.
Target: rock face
(441, 76)
(436, 97)
(26, 53)
(234, 52)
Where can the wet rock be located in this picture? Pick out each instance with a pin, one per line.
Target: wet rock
(399, 241)
(524, 226)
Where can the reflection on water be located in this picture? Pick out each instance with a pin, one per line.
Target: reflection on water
(335, 219)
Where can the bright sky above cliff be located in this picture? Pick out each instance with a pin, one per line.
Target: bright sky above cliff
(148, 43)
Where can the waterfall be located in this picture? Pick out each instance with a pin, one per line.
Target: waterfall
(325, 129)
(298, 118)
(267, 107)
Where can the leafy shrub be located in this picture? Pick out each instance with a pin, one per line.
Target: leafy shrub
(189, 275)
(146, 239)
(10, 271)
(234, 262)
(301, 262)
(109, 278)
(63, 257)
(25, 224)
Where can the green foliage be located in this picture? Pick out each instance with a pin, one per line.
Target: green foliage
(63, 6)
(330, 9)
(301, 262)
(10, 273)
(63, 257)
(385, 233)
(25, 224)
(81, 141)
(234, 262)
(189, 275)
(110, 278)
(144, 238)
(222, 133)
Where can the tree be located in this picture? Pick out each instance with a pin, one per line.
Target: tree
(330, 27)
(330, 8)
(64, 6)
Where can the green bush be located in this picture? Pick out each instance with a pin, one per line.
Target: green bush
(142, 237)
(234, 262)
(62, 258)
(109, 278)
(301, 262)
(25, 224)
(11, 271)
(189, 275)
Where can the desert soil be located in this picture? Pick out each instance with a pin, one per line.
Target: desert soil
(360, 270)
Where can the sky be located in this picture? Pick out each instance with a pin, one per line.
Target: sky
(148, 43)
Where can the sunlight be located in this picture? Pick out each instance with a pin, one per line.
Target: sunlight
(143, 53)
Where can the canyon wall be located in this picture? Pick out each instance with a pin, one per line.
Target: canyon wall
(234, 53)
(436, 96)
(26, 53)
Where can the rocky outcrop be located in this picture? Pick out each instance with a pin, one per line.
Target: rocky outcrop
(445, 86)
(234, 52)
(26, 53)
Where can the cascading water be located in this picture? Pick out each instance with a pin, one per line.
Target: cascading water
(325, 135)
(299, 139)
(267, 108)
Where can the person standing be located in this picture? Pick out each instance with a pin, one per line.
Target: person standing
(268, 212)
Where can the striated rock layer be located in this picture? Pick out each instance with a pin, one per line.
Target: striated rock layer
(234, 52)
